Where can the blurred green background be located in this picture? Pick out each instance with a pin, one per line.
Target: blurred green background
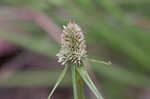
(115, 30)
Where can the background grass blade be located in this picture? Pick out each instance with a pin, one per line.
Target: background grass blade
(31, 79)
(58, 81)
(115, 73)
(74, 82)
(89, 82)
(41, 45)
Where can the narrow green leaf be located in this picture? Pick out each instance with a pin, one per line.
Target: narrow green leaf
(89, 82)
(101, 62)
(74, 82)
(58, 81)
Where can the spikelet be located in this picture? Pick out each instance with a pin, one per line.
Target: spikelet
(73, 48)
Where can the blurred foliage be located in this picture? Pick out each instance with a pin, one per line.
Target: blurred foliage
(33, 79)
(116, 31)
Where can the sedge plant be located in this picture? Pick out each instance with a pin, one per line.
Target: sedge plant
(73, 54)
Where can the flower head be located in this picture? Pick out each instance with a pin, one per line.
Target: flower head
(73, 48)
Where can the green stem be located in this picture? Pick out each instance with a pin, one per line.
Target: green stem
(77, 81)
(80, 86)
(74, 82)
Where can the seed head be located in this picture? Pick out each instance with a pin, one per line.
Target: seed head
(73, 48)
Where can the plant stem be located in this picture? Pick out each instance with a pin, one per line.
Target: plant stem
(80, 86)
(74, 82)
(77, 81)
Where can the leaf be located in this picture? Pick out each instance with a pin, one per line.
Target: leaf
(58, 81)
(89, 82)
(74, 82)
(101, 62)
